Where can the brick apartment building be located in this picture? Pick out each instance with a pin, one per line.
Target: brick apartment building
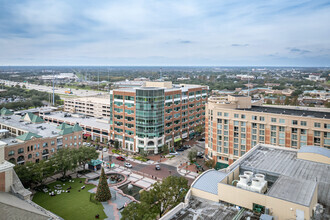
(234, 125)
(29, 138)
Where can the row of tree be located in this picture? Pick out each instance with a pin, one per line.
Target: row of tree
(162, 197)
(64, 160)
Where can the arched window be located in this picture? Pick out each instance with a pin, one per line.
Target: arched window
(151, 143)
(11, 153)
(20, 159)
(29, 156)
(20, 151)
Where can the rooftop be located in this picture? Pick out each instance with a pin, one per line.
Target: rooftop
(82, 121)
(315, 150)
(209, 181)
(182, 87)
(287, 111)
(40, 129)
(279, 161)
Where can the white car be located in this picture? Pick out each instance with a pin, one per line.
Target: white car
(105, 149)
(128, 165)
(174, 153)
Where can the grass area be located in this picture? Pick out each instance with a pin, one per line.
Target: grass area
(143, 159)
(73, 205)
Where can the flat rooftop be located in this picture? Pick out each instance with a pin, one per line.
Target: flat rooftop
(209, 181)
(287, 111)
(82, 121)
(282, 162)
(182, 87)
(205, 209)
(48, 130)
(96, 99)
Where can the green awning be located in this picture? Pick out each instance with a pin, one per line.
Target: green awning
(95, 162)
(177, 140)
(219, 166)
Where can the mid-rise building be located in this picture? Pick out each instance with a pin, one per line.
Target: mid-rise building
(143, 119)
(268, 182)
(234, 125)
(95, 106)
(29, 138)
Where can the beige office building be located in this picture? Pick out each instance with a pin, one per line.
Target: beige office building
(268, 182)
(234, 124)
(94, 106)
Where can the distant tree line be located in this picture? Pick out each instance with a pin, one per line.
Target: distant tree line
(34, 98)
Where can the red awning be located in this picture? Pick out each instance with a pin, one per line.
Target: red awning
(87, 135)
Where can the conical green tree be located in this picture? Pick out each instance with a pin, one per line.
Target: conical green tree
(103, 192)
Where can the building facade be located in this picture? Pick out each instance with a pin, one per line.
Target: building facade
(144, 119)
(234, 125)
(29, 138)
(96, 106)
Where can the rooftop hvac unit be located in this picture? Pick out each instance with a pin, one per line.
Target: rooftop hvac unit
(242, 183)
(249, 174)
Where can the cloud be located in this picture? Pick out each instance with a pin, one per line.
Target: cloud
(299, 51)
(129, 32)
(240, 45)
(185, 42)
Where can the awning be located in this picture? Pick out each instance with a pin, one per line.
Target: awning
(87, 135)
(177, 140)
(219, 166)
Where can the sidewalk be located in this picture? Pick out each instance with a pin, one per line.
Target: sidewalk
(187, 173)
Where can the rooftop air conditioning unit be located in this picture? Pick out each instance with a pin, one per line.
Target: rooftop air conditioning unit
(242, 183)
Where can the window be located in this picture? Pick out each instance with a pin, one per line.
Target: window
(282, 121)
(226, 114)
(262, 118)
(294, 122)
(303, 123)
(254, 117)
(317, 124)
(273, 119)
(317, 133)
(11, 153)
(326, 125)
(236, 115)
(219, 113)
(242, 116)
(20, 150)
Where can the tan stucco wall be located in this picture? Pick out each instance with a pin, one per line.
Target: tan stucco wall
(278, 208)
(8, 179)
(314, 157)
(158, 84)
(204, 195)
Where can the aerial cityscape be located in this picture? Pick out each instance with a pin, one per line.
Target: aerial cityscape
(169, 110)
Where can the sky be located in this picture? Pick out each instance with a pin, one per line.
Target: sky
(165, 32)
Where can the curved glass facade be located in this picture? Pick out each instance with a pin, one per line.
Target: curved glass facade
(149, 112)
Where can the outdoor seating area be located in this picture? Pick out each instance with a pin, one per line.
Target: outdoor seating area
(69, 200)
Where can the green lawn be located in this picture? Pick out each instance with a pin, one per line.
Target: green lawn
(73, 205)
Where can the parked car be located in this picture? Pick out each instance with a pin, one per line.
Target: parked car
(174, 153)
(105, 149)
(128, 165)
(180, 149)
(185, 147)
(120, 158)
(202, 139)
(200, 154)
(157, 167)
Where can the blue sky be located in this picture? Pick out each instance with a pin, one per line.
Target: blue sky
(163, 32)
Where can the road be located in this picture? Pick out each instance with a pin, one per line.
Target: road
(60, 91)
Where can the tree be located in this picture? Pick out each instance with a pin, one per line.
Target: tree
(116, 144)
(138, 211)
(25, 173)
(287, 101)
(199, 129)
(65, 160)
(210, 163)
(269, 102)
(158, 200)
(85, 154)
(103, 192)
(192, 155)
(42, 170)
